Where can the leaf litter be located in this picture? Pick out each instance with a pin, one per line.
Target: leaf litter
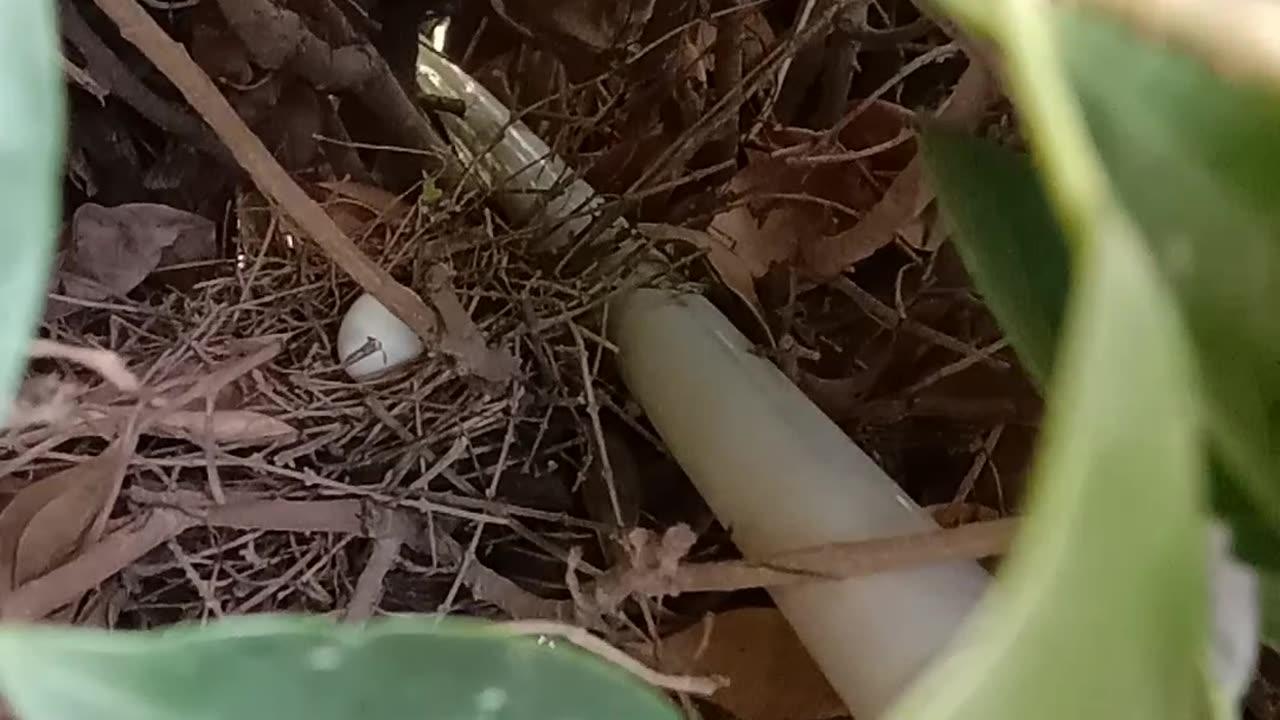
(114, 249)
(45, 524)
(260, 478)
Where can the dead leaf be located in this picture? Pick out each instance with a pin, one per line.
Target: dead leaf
(771, 676)
(758, 39)
(830, 255)
(103, 609)
(222, 426)
(783, 206)
(696, 52)
(45, 524)
(615, 168)
(114, 249)
(737, 272)
(908, 194)
(226, 426)
(950, 515)
(355, 206)
(593, 26)
(381, 203)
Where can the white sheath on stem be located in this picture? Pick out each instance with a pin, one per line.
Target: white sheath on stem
(771, 465)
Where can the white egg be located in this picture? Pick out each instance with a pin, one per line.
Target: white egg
(367, 318)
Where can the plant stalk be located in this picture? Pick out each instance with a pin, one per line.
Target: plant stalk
(772, 466)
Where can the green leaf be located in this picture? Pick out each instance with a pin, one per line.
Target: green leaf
(1008, 238)
(1254, 538)
(1269, 601)
(1099, 612)
(1196, 160)
(31, 134)
(293, 668)
(1012, 247)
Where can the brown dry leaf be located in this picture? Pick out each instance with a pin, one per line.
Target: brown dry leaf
(383, 204)
(830, 255)
(45, 523)
(771, 676)
(758, 39)
(593, 26)
(736, 271)
(356, 206)
(222, 426)
(225, 426)
(114, 249)
(696, 52)
(614, 169)
(353, 221)
(783, 207)
(951, 515)
(908, 194)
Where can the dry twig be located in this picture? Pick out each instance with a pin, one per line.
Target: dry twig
(171, 514)
(836, 561)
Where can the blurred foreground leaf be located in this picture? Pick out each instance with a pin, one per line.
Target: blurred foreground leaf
(31, 133)
(293, 668)
(1008, 238)
(1269, 599)
(1196, 161)
(1099, 611)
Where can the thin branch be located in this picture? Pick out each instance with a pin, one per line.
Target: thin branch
(364, 601)
(172, 513)
(836, 561)
(728, 75)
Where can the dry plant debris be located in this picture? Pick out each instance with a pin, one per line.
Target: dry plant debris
(771, 676)
(187, 446)
(112, 250)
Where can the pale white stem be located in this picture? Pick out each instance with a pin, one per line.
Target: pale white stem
(772, 466)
